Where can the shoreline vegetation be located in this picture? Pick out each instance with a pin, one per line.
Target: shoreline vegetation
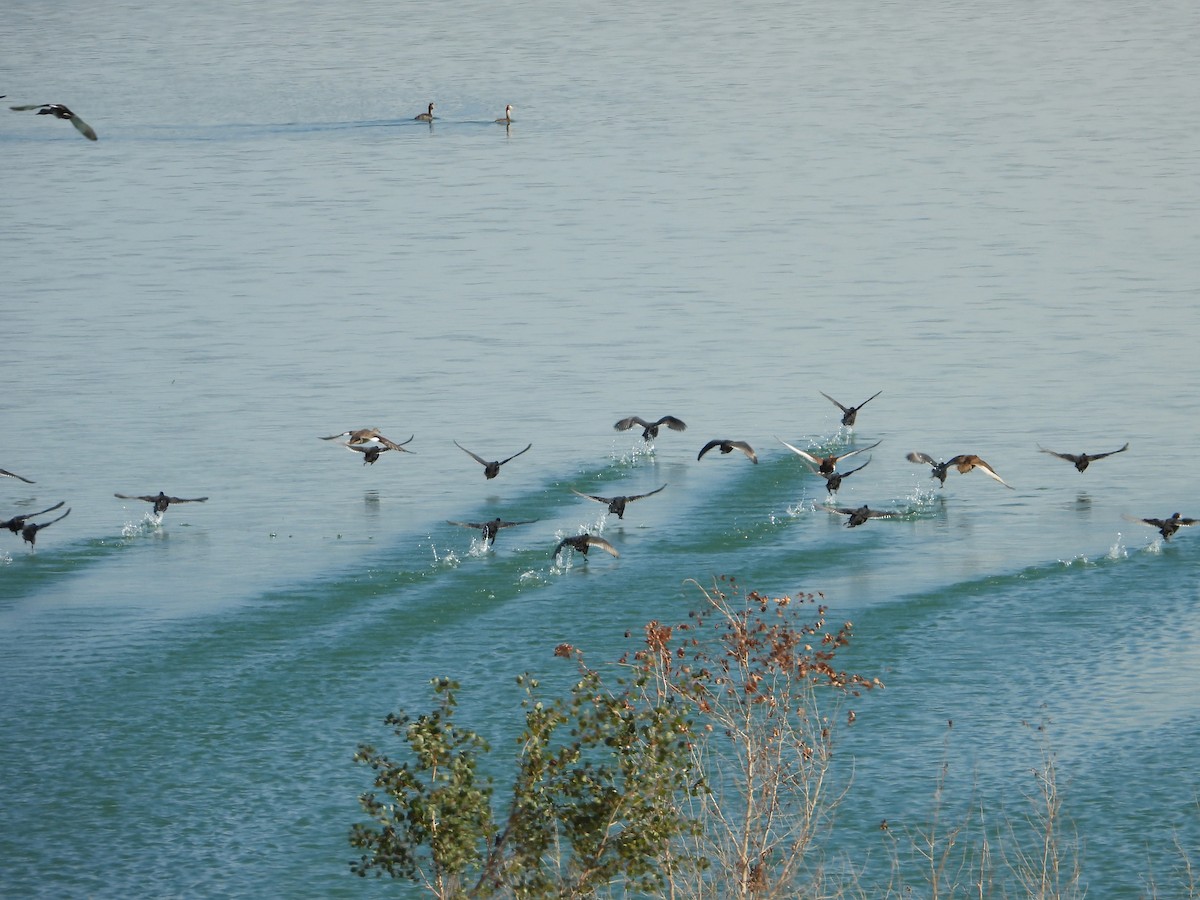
(702, 764)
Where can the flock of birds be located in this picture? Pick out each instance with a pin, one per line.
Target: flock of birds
(372, 444)
(59, 111)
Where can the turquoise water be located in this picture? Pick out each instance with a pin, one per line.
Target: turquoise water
(703, 211)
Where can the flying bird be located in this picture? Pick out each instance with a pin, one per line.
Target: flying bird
(860, 515)
(964, 463)
(940, 469)
(490, 469)
(826, 465)
(16, 523)
(728, 446)
(60, 112)
(370, 443)
(617, 504)
(1083, 460)
(507, 120)
(489, 529)
(161, 501)
(357, 436)
(585, 542)
(1166, 527)
(30, 531)
(426, 116)
(850, 413)
(834, 481)
(650, 429)
(7, 474)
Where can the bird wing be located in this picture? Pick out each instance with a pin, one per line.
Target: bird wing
(83, 127)
(511, 524)
(592, 497)
(392, 445)
(844, 409)
(1069, 457)
(1153, 523)
(9, 474)
(860, 450)
(844, 510)
(503, 461)
(673, 423)
(745, 448)
(707, 447)
(604, 545)
(812, 459)
(29, 106)
(187, 499)
(917, 457)
(640, 496)
(44, 511)
(987, 470)
(147, 498)
(626, 424)
(869, 399)
(465, 524)
(1109, 453)
(859, 469)
(475, 456)
(59, 519)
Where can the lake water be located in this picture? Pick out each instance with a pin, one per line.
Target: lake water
(706, 210)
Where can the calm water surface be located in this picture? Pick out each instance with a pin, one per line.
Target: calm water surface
(709, 211)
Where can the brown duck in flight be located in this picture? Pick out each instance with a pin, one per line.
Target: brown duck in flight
(16, 523)
(59, 112)
(826, 465)
(490, 468)
(583, 543)
(30, 531)
(728, 446)
(850, 413)
(489, 529)
(617, 504)
(1082, 460)
(650, 429)
(370, 443)
(161, 501)
(1166, 527)
(964, 463)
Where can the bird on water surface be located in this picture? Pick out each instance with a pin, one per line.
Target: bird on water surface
(507, 120)
(59, 112)
(860, 515)
(16, 523)
(650, 429)
(489, 529)
(585, 542)
(1166, 527)
(30, 531)
(161, 501)
(426, 116)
